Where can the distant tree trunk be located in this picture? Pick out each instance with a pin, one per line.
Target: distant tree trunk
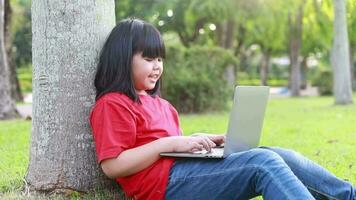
(240, 48)
(340, 56)
(226, 36)
(7, 104)
(266, 55)
(67, 37)
(352, 68)
(303, 73)
(295, 42)
(220, 30)
(229, 35)
(14, 81)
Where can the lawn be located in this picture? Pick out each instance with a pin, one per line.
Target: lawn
(313, 126)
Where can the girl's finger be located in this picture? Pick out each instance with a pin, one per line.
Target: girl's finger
(218, 139)
(205, 142)
(210, 141)
(195, 150)
(195, 146)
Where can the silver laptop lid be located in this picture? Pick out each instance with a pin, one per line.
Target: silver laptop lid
(246, 118)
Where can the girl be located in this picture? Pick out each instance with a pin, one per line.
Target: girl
(132, 125)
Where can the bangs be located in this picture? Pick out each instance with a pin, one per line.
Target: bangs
(149, 42)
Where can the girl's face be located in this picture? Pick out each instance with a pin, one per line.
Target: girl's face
(146, 72)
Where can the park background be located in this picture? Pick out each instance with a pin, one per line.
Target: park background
(211, 47)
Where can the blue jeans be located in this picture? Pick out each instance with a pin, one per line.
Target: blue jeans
(274, 173)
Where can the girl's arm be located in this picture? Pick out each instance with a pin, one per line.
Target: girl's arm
(136, 159)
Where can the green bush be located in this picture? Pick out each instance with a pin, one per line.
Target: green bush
(271, 82)
(324, 81)
(194, 78)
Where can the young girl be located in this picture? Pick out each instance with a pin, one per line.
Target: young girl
(132, 125)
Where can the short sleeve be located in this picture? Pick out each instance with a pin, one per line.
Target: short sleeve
(114, 129)
(176, 118)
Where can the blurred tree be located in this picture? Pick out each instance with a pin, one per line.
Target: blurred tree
(340, 56)
(295, 21)
(142, 9)
(21, 32)
(191, 19)
(317, 33)
(7, 104)
(236, 25)
(264, 32)
(351, 19)
(14, 81)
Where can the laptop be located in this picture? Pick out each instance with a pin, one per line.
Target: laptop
(245, 124)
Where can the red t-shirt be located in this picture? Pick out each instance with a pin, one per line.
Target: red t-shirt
(118, 123)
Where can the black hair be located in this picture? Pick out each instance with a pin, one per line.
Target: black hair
(114, 71)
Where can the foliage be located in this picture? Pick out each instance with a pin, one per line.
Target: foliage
(324, 81)
(186, 21)
(21, 32)
(262, 25)
(317, 27)
(257, 82)
(194, 78)
(135, 8)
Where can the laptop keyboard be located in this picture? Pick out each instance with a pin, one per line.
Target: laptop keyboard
(217, 151)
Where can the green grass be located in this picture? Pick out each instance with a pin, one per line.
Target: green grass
(313, 126)
(256, 81)
(14, 148)
(24, 75)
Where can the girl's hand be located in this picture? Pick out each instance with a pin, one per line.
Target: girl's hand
(217, 139)
(191, 143)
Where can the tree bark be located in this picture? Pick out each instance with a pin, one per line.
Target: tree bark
(226, 42)
(229, 35)
(67, 38)
(220, 30)
(340, 56)
(7, 104)
(14, 81)
(303, 72)
(295, 42)
(352, 68)
(266, 55)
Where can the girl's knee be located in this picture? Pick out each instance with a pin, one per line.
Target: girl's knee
(287, 155)
(261, 157)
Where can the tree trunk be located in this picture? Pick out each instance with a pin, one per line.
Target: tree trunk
(14, 81)
(266, 55)
(228, 34)
(303, 73)
(220, 30)
(340, 56)
(67, 38)
(7, 104)
(352, 68)
(295, 42)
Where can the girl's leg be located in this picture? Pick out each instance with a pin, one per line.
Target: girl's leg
(240, 176)
(320, 182)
